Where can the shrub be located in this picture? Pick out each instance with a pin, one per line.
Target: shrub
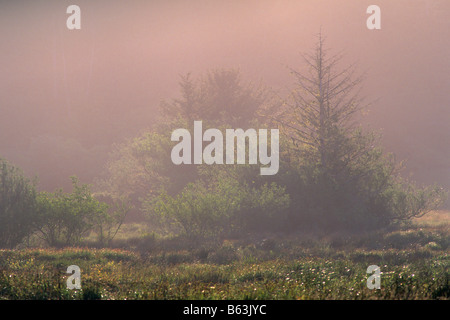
(225, 206)
(64, 218)
(17, 205)
(225, 254)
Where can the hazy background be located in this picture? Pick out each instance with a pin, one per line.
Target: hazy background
(66, 96)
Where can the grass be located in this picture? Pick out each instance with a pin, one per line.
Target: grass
(414, 262)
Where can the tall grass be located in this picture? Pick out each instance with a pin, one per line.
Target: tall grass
(414, 262)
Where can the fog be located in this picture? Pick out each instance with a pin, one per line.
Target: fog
(67, 95)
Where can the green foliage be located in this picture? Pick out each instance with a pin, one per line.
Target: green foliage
(339, 178)
(17, 205)
(354, 195)
(299, 270)
(64, 218)
(185, 197)
(224, 206)
(408, 201)
(333, 175)
(106, 224)
(141, 167)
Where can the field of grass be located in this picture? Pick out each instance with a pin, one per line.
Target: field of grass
(414, 262)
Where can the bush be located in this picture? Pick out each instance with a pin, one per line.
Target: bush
(223, 207)
(64, 218)
(17, 205)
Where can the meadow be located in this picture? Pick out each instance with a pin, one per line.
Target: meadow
(414, 262)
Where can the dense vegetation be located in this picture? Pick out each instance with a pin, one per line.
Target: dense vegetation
(204, 225)
(414, 264)
(333, 175)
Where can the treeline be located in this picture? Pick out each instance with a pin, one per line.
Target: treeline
(333, 175)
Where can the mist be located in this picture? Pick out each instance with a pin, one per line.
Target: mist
(68, 95)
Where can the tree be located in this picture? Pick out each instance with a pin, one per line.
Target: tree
(223, 205)
(64, 218)
(342, 179)
(108, 222)
(318, 116)
(219, 97)
(141, 167)
(17, 205)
